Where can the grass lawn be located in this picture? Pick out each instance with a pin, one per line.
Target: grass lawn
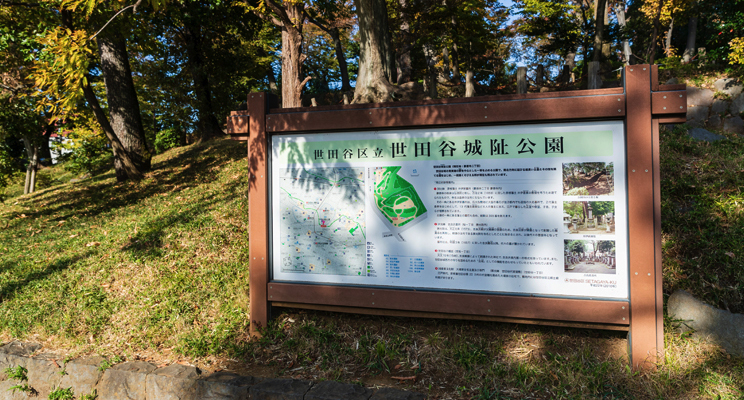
(157, 271)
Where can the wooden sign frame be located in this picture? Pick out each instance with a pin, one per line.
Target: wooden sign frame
(642, 104)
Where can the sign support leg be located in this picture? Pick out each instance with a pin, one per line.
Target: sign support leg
(646, 329)
(258, 213)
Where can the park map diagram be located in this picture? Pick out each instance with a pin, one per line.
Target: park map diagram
(322, 226)
(396, 200)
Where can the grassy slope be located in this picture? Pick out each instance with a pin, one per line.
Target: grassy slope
(157, 270)
(120, 268)
(703, 218)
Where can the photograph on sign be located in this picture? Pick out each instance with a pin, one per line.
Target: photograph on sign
(529, 209)
(589, 217)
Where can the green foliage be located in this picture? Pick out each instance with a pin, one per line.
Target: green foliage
(19, 373)
(737, 51)
(722, 29)
(602, 207)
(88, 151)
(61, 394)
(606, 246)
(576, 246)
(92, 396)
(7, 167)
(18, 119)
(167, 139)
(109, 362)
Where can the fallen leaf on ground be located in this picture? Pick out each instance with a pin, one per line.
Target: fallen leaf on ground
(91, 244)
(730, 254)
(73, 236)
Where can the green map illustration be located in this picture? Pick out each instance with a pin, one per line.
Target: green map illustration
(396, 198)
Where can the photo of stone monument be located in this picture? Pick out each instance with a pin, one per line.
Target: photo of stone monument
(589, 256)
(589, 217)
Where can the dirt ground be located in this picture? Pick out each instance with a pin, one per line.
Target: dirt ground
(597, 184)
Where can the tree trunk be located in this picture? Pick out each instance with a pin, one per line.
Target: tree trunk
(207, 123)
(668, 41)
(431, 62)
(469, 84)
(375, 60)
(455, 51)
(691, 33)
(124, 111)
(273, 87)
(341, 57)
(606, 45)
(599, 8)
(403, 56)
(620, 13)
(651, 52)
(292, 57)
(585, 45)
(32, 151)
(124, 167)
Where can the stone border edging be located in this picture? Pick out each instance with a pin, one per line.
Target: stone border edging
(139, 380)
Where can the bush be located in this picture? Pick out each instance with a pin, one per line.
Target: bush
(578, 191)
(167, 139)
(88, 152)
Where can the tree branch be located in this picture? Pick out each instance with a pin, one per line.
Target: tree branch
(316, 22)
(305, 81)
(279, 10)
(269, 18)
(6, 87)
(135, 5)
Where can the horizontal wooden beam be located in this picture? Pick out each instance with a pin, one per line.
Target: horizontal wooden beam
(452, 113)
(419, 314)
(237, 124)
(665, 103)
(505, 306)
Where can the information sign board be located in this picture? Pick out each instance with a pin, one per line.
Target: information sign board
(524, 209)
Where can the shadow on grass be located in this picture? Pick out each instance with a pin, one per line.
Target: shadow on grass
(99, 195)
(8, 290)
(481, 360)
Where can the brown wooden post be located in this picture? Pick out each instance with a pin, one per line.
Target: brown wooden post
(657, 241)
(258, 215)
(521, 80)
(539, 75)
(646, 331)
(594, 81)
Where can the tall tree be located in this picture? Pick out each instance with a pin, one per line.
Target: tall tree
(599, 27)
(333, 18)
(620, 7)
(63, 73)
(192, 34)
(290, 17)
(124, 112)
(375, 54)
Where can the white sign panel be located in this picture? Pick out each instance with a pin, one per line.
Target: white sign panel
(529, 209)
